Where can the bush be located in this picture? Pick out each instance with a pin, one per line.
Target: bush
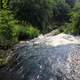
(32, 32)
(11, 31)
(26, 32)
(74, 26)
(7, 23)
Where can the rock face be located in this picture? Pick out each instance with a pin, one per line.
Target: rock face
(47, 58)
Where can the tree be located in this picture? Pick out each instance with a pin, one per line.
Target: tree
(76, 19)
(7, 23)
(71, 2)
(36, 12)
(74, 25)
(61, 11)
(0, 4)
(41, 13)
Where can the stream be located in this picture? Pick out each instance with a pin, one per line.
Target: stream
(46, 58)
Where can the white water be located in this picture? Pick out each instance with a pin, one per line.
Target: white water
(48, 58)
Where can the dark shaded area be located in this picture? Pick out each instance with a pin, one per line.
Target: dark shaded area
(71, 2)
(39, 62)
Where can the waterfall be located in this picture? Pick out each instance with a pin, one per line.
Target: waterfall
(46, 58)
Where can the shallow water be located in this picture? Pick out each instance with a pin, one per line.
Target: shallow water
(40, 59)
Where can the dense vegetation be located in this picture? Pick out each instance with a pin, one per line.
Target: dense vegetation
(41, 13)
(25, 19)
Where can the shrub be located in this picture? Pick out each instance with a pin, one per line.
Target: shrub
(75, 23)
(74, 26)
(7, 23)
(32, 32)
(26, 32)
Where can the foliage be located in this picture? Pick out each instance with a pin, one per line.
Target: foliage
(45, 14)
(61, 11)
(7, 23)
(74, 26)
(71, 2)
(41, 13)
(3, 4)
(32, 32)
(75, 23)
(26, 32)
(37, 12)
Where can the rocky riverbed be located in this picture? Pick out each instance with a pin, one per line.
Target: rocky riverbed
(47, 57)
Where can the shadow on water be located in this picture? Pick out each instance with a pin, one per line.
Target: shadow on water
(40, 62)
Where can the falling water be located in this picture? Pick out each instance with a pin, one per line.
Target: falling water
(47, 58)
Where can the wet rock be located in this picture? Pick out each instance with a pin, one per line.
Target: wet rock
(47, 58)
